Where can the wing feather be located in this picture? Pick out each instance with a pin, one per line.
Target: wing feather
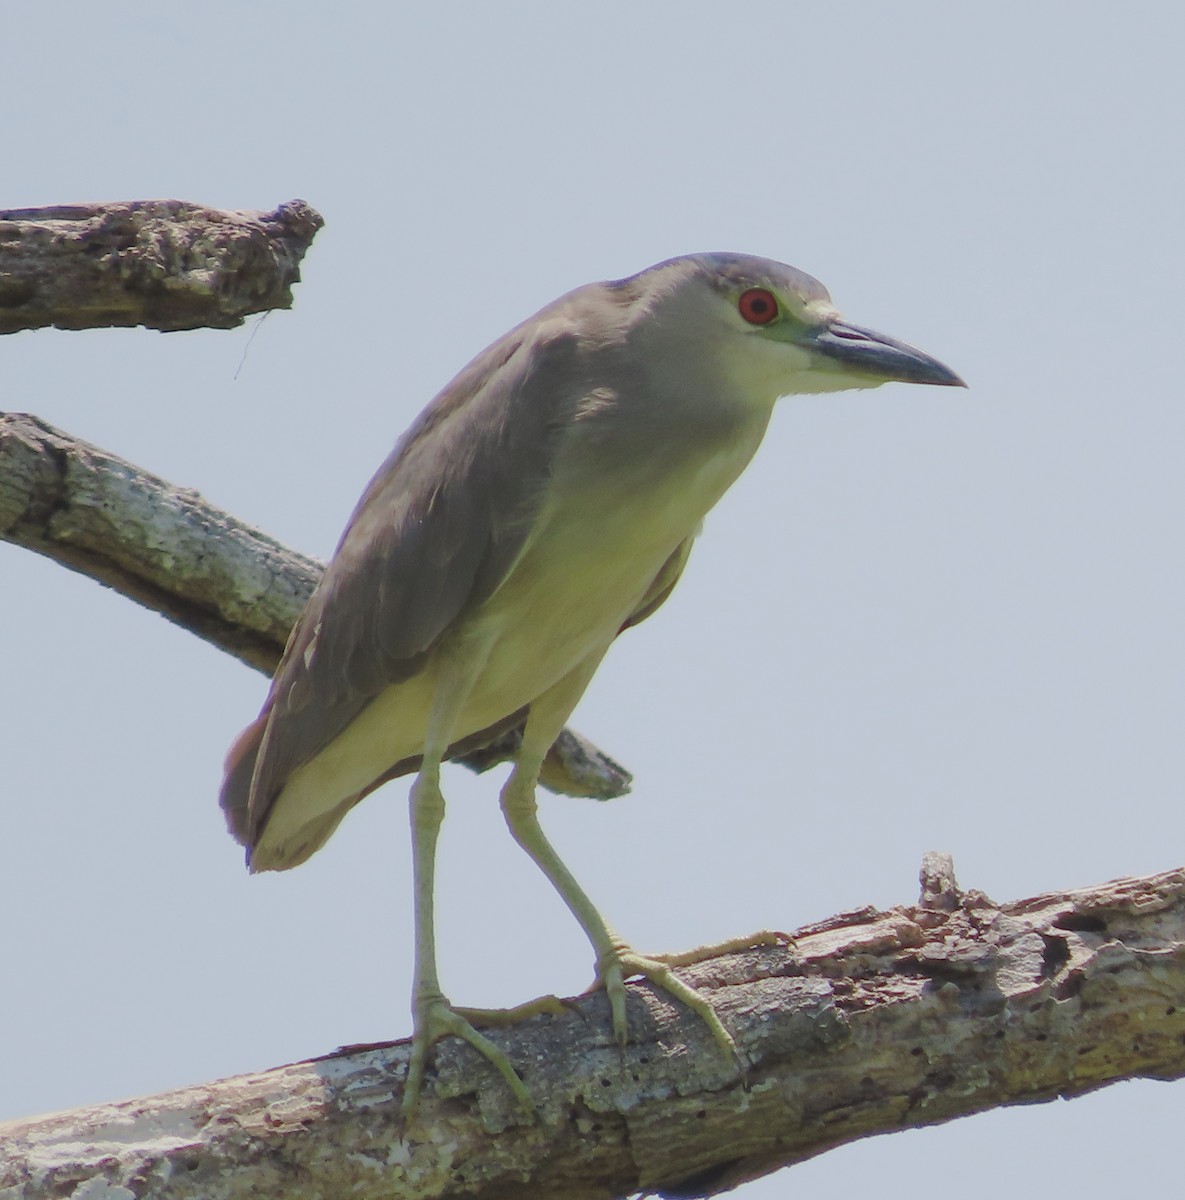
(435, 533)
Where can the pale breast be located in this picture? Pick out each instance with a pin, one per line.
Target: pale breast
(598, 543)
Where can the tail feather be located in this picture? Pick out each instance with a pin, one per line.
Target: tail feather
(269, 855)
(244, 824)
(236, 783)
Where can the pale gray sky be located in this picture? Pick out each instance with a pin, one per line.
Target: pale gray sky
(923, 620)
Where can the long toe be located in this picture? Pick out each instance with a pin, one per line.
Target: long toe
(750, 941)
(435, 1019)
(622, 963)
(500, 1018)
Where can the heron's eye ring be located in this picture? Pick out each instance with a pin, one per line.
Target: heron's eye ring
(758, 306)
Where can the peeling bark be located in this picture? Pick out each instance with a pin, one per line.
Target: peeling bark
(867, 1023)
(169, 549)
(165, 264)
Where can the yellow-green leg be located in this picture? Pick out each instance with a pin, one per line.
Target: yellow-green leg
(615, 961)
(432, 1014)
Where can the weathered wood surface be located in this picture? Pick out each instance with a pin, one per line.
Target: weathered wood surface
(867, 1023)
(165, 264)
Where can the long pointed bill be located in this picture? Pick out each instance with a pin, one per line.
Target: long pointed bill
(865, 352)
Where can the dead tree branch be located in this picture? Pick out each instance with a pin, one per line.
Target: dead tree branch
(169, 549)
(867, 1023)
(166, 264)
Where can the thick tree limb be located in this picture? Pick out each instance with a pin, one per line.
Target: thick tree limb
(868, 1023)
(169, 549)
(166, 264)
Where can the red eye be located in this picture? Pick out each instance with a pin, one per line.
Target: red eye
(757, 306)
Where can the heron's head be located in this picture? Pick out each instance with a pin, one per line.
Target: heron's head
(768, 328)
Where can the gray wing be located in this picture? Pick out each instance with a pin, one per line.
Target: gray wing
(434, 535)
(656, 595)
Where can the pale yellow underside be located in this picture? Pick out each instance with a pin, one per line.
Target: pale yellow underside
(586, 567)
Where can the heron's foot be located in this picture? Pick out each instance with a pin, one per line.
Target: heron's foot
(435, 1019)
(499, 1018)
(698, 954)
(621, 963)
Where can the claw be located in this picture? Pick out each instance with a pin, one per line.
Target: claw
(611, 977)
(620, 963)
(435, 1019)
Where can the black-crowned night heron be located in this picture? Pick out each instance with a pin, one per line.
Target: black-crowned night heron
(546, 500)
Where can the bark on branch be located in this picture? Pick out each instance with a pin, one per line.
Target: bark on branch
(169, 549)
(166, 264)
(867, 1023)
